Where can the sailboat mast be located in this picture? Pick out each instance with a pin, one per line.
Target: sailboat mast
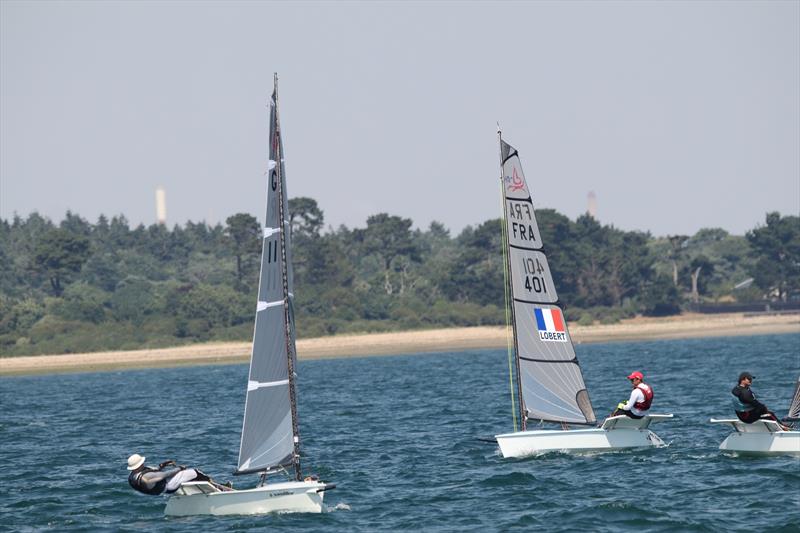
(510, 283)
(290, 348)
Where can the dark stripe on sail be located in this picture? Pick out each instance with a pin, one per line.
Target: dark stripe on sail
(541, 250)
(556, 303)
(573, 360)
(592, 424)
(287, 465)
(510, 155)
(528, 199)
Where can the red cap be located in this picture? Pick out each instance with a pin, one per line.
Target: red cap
(636, 374)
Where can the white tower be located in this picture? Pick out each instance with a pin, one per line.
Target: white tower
(161, 206)
(591, 207)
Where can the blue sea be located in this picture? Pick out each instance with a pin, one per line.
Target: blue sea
(400, 437)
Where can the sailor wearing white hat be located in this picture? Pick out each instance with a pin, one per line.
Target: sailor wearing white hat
(168, 477)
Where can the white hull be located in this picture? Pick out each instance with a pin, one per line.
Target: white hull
(616, 433)
(200, 498)
(763, 437)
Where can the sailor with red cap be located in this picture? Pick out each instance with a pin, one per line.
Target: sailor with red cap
(641, 398)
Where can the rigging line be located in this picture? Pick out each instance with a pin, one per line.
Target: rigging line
(507, 308)
(285, 281)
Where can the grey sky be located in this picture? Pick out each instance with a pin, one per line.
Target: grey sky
(679, 115)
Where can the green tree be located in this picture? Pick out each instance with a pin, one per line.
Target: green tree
(58, 254)
(76, 225)
(212, 306)
(660, 297)
(305, 217)
(476, 274)
(82, 302)
(676, 254)
(134, 299)
(389, 239)
(244, 241)
(776, 248)
(102, 270)
(699, 265)
(22, 315)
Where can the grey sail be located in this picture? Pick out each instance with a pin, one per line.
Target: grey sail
(794, 408)
(550, 379)
(269, 429)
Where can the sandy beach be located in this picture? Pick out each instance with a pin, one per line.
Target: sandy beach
(408, 342)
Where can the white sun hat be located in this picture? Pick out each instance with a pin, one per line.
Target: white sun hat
(135, 461)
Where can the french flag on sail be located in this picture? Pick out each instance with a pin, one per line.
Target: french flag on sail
(550, 324)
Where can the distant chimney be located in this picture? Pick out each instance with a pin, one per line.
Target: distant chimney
(161, 206)
(591, 208)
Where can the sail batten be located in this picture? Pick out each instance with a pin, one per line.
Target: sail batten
(269, 428)
(549, 376)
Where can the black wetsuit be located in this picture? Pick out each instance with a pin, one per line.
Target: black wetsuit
(753, 408)
(155, 486)
(148, 480)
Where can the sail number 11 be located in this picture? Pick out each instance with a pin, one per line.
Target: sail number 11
(534, 281)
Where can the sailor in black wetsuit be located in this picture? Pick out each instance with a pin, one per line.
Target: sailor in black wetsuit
(166, 478)
(747, 407)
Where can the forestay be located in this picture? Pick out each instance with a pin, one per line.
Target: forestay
(550, 379)
(269, 431)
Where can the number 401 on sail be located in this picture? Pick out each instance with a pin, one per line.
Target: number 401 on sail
(535, 284)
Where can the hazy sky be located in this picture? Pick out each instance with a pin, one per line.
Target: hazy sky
(679, 115)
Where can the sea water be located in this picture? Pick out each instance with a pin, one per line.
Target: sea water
(400, 437)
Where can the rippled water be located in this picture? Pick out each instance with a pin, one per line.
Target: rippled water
(399, 436)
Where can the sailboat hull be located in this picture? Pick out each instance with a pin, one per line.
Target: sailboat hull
(616, 433)
(763, 437)
(200, 498)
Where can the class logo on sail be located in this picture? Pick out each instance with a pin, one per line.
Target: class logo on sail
(550, 324)
(514, 182)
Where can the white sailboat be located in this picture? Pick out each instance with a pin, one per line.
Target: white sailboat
(765, 437)
(549, 384)
(270, 443)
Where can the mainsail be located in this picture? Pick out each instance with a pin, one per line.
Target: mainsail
(269, 431)
(549, 377)
(794, 408)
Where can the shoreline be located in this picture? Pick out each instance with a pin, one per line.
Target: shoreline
(685, 326)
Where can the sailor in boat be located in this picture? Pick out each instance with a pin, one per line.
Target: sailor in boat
(641, 398)
(748, 409)
(168, 477)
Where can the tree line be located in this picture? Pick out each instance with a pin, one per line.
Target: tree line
(80, 286)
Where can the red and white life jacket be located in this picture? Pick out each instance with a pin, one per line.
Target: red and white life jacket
(647, 390)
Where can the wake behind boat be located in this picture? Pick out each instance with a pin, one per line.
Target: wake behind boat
(270, 442)
(549, 382)
(765, 437)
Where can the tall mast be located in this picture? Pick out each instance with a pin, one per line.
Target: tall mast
(290, 355)
(510, 284)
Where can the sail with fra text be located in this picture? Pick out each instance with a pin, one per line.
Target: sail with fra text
(550, 379)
